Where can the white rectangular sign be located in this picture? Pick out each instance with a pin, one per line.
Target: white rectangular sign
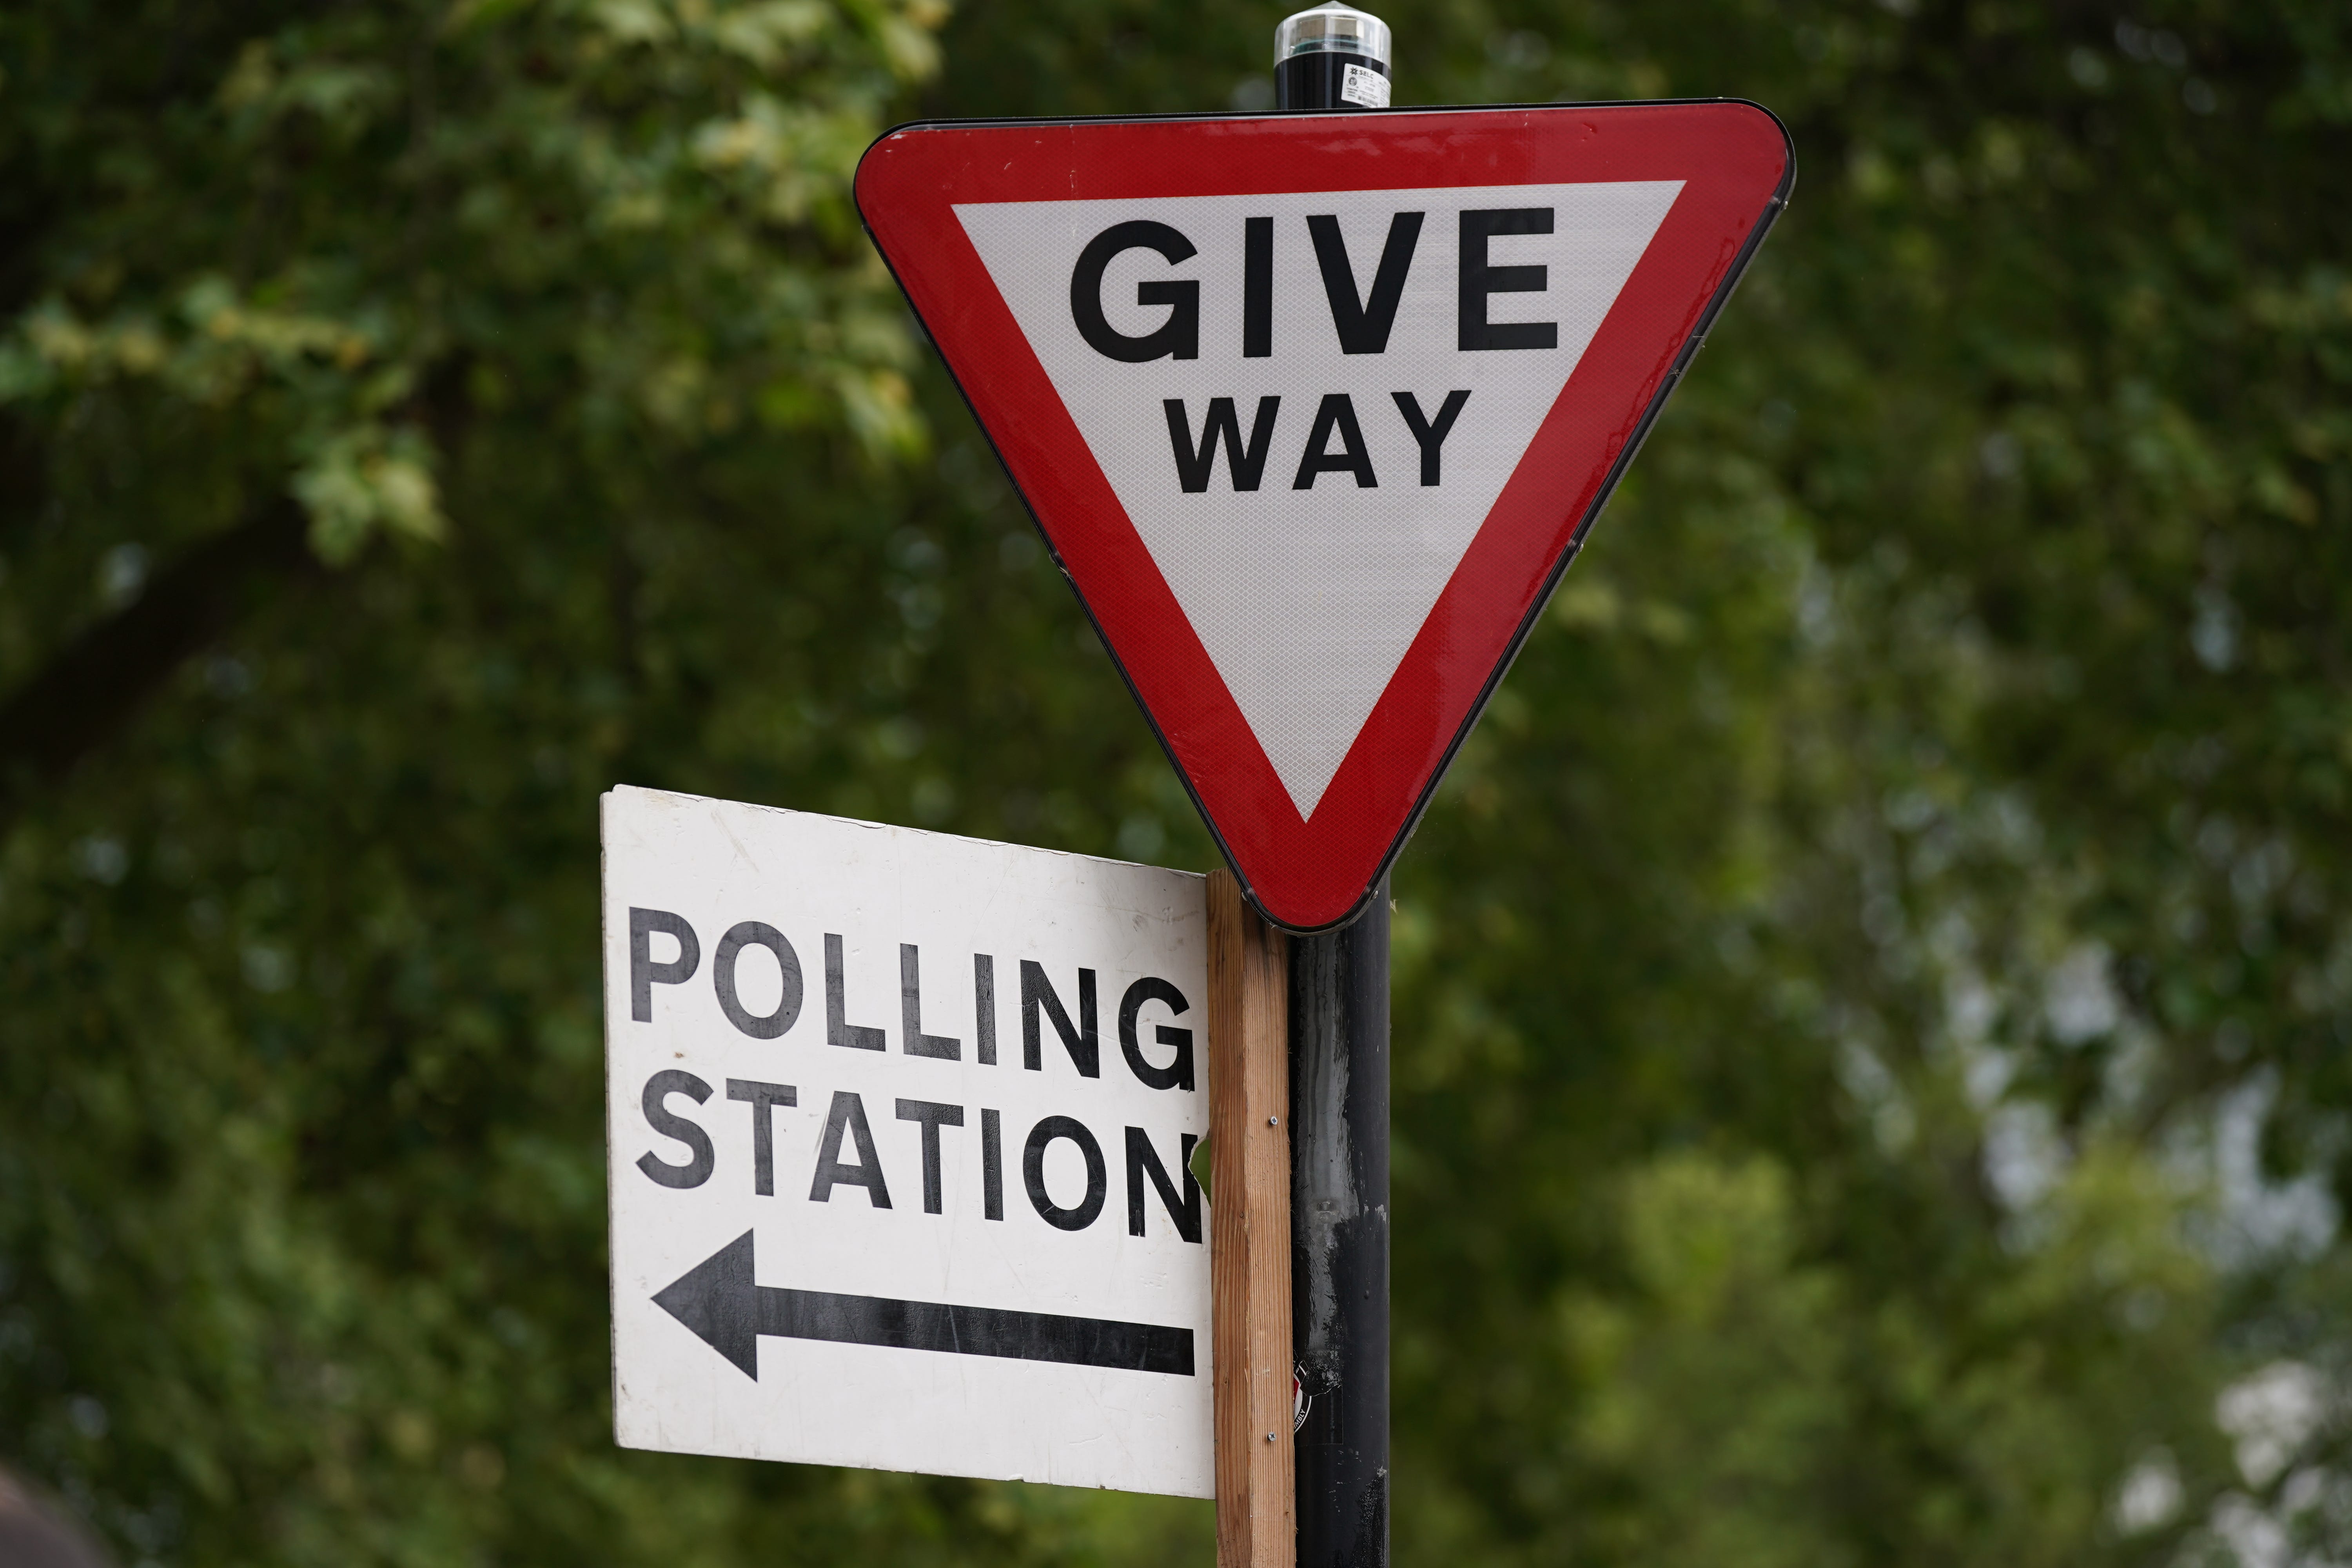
(898, 1133)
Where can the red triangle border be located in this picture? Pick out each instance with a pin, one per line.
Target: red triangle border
(1737, 164)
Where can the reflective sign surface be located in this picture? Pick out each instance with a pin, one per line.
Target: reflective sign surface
(1313, 409)
(900, 1128)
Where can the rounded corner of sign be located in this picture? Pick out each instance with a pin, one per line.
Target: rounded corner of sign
(1787, 149)
(857, 179)
(1780, 129)
(1289, 927)
(1763, 108)
(1346, 917)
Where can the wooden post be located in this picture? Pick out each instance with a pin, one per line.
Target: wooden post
(1249, 1214)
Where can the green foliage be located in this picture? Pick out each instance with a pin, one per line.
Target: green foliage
(1866, 996)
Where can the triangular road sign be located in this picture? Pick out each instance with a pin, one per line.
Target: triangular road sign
(1313, 409)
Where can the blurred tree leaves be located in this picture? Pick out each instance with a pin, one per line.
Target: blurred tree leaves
(1872, 997)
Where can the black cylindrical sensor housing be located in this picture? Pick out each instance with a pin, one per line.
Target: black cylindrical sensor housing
(1332, 57)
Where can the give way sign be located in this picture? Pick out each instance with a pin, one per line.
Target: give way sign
(1313, 410)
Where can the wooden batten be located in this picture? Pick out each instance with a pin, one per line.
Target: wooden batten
(1249, 1209)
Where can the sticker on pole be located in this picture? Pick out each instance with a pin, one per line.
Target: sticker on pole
(1313, 409)
(900, 1130)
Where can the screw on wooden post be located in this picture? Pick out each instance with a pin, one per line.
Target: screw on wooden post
(1249, 1212)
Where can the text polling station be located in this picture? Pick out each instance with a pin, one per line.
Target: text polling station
(1313, 409)
(901, 1128)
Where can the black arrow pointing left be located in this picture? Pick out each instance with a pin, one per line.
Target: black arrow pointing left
(723, 1302)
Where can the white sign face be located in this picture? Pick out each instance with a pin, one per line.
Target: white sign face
(899, 1127)
(1309, 440)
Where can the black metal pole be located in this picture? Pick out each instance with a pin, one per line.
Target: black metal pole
(1339, 1238)
(1337, 58)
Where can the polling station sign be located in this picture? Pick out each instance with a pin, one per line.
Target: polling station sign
(900, 1128)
